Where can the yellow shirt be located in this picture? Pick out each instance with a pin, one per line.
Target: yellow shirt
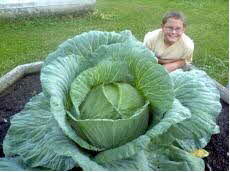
(182, 49)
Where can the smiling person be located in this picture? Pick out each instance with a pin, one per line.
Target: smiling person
(172, 46)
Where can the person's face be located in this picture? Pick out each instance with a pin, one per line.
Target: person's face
(173, 30)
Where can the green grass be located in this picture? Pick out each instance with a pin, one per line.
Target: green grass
(29, 40)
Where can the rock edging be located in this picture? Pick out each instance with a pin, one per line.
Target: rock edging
(17, 73)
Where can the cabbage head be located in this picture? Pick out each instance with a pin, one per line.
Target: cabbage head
(107, 104)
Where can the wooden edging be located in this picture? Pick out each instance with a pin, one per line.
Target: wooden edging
(22, 70)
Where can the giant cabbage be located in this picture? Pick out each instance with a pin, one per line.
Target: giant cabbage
(107, 104)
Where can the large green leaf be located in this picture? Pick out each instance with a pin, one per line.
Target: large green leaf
(57, 78)
(137, 162)
(86, 43)
(107, 133)
(154, 83)
(123, 152)
(157, 158)
(171, 158)
(196, 91)
(120, 51)
(35, 136)
(17, 164)
(161, 132)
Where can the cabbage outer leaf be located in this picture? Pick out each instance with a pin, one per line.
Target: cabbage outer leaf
(34, 135)
(196, 91)
(86, 43)
(16, 164)
(158, 158)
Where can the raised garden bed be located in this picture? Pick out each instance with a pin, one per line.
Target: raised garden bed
(16, 96)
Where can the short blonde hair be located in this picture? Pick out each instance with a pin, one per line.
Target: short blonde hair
(175, 15)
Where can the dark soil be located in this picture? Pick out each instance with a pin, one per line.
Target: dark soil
(218, 147)
(15, 97)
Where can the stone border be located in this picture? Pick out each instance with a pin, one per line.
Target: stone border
(22, 70)
(17, 73)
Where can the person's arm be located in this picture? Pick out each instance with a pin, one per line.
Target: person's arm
(165, 61)
(174, 65)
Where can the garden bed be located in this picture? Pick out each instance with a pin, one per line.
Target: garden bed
(16, 96)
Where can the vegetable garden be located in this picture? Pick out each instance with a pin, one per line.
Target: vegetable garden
(102, 107)
(104, 103)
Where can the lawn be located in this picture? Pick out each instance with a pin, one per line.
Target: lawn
(29, 40)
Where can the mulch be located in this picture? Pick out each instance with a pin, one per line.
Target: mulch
(13, 99)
